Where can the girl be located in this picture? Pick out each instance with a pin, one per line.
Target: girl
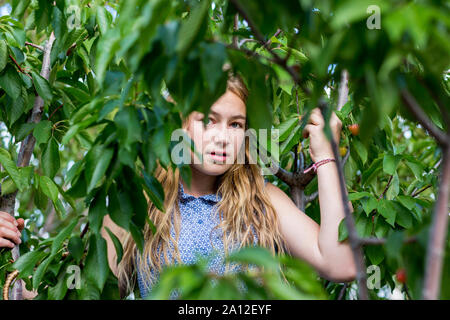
(229, 204)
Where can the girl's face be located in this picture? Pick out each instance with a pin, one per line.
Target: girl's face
(221, 139)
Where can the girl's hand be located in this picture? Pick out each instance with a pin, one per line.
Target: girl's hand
(10, 229)
(319, 146)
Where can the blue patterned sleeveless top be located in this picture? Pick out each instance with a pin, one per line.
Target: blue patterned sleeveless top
(196, 227)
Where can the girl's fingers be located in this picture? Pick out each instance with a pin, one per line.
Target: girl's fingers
(6, 243)
(7, 216)
(315, 118)
(8, 224)
(11, 235)
(306, 130)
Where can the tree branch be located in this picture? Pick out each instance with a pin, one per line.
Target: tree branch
(438, 235)
(410, 102)
(343, 90)
(349, 220)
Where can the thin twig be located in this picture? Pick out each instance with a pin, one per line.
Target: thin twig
(382, 241)
(343, 290)
(34, 45)
(312, 196)
(55, 111)
(85, 229)
(415, 194)
(386, 188)
(19, 67)
(431, 171)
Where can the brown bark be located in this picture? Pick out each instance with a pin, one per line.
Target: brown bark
(438, 235)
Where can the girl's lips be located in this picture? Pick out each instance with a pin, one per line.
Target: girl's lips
(218, 157)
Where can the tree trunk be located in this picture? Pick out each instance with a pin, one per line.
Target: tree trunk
(438, 235)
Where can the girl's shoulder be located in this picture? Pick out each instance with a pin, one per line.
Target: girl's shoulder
(280, 200)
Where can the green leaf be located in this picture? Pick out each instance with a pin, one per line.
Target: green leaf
(40, 271)
(375, 254)
(128, 125)
(285, 128)
(363, 226)
(361, 149)
(97, 210)
(343, 232)
(407, 201)
(58, 291)
(11, 83)
(358, 195)
(291, 140)
(8, 186)
(138, 237)
(191, 27)
(255, 255)
(212, 60)
(3, 54)
(417, 169)
(117, 245)
(63, 235)
(97, 162)
(49, 188)
(154, 190)
(390, 163)
(76, 247)
(404, 216)
(42, 131)
(10, 167)
(369, 204)
(119, 211)
(394, 188)
(102, 19)
(24, 130)
(96, 267)
(25, 264)
(50, 158)
(42, 87)
(394, 243)
(387, 211)
(19, 106)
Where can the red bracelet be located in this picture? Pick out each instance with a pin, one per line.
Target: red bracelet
(317, 164)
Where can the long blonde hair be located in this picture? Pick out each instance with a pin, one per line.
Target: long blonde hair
(245, 209)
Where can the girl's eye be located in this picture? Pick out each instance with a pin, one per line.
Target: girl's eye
(236, 123)
(210, 122)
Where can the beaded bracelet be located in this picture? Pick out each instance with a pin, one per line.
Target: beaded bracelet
(317, 164)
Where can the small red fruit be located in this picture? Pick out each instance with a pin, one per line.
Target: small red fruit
(354, 129)
(21, 224)
(401, 275)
